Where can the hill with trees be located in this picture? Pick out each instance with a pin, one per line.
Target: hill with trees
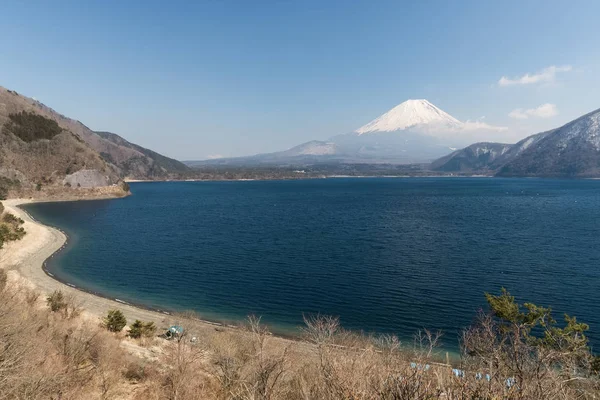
(572, 150)
(40, 147)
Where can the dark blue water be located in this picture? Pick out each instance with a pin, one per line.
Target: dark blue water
(386, 255)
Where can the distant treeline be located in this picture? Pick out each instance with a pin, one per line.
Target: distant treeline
(230, 172)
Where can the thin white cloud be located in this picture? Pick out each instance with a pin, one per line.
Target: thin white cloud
(544, 111)
(547, 75)
(214, 156)
(482, 126)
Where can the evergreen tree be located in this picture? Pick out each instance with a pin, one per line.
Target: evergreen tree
(114, 321)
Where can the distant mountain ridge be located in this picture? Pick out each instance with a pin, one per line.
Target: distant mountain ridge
(572, 150)
(414, 131)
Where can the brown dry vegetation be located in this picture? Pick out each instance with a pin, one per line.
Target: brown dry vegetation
(68, 145)
(58, 355)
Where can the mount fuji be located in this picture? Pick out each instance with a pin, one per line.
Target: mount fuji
(410, 114)
(414, 131)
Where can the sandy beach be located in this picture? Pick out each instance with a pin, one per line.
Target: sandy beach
(24, 261)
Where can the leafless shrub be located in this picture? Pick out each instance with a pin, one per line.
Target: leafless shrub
(320, 329)
(31, 296)
(182, 364)
(3, 279)
(73, 307)
(425, 344)
(44, 355)
(267, 367)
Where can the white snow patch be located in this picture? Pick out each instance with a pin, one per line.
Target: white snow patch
(527, 143)
(409, 114)
(586, 128)
(319, 149)
(423, 116)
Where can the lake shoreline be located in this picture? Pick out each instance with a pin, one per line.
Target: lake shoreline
(28, 268)
(26, 261)
(315, 178)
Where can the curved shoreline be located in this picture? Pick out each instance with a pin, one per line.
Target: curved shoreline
(26, 260)
(27, 263)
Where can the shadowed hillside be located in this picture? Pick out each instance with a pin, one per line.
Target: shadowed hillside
(154, 164)
(572, 150)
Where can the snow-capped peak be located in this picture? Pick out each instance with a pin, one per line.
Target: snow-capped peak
(412, 113)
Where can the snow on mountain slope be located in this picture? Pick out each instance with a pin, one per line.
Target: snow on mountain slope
(312, 148)
(425, 118)
(572, 150)
(415, 131)
(410, 114)
(477, 157)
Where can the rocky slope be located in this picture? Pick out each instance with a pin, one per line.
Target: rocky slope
(149, 164)
(37, 154)
(480, 157)
(572, 150)
(125, 159)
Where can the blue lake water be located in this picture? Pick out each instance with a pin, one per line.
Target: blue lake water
(385, 255)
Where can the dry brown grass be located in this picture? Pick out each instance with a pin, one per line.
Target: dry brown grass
(57, 355)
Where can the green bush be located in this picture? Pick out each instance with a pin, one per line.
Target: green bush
(11, 219)
(141, 329)
(114, 321)
(10, 228)
(56, 301)
(4, 232)
(29, 126)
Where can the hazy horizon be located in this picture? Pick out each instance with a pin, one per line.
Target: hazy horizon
(194, 81)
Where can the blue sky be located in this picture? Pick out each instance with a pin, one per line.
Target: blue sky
(194, 79)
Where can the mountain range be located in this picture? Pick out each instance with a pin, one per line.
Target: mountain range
(41, 148)
(418, 132)
(572, 150)
(414, 131)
